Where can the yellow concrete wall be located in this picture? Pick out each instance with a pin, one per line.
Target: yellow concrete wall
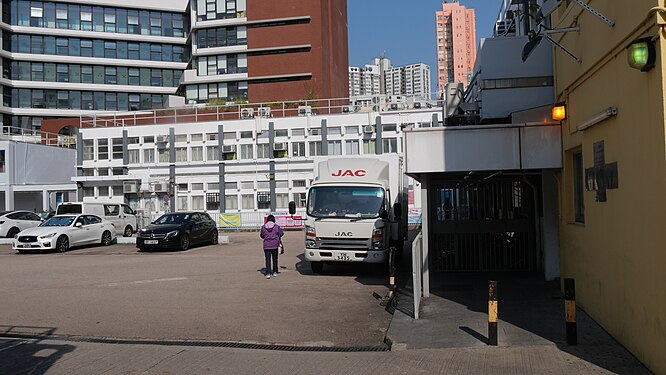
(618, 256)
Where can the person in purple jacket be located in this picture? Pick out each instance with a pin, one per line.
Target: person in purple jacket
(272, 235)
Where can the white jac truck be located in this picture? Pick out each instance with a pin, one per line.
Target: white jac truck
(355, 210)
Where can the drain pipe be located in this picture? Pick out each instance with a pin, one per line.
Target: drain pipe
(537, 221)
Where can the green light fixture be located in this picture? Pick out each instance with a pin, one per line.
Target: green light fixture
(641, 54)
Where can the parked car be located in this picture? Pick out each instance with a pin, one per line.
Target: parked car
(121, 215)
(64, 231)
(178, 230)
(13, 222)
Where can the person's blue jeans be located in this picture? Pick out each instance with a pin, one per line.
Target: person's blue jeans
(271, 253)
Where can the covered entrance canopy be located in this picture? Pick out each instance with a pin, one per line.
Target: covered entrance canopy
(489, 198)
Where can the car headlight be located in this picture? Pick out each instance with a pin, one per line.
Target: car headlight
(47, 236)
(173, 233)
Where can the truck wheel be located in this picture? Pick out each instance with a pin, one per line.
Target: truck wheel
(128, 231)
(317, 267)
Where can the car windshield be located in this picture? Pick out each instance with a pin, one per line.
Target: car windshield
(58, 221)
(172, 219)
(345, 201)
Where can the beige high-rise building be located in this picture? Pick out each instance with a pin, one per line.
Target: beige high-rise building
(456, 43)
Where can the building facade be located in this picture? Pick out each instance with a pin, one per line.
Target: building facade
(365, 80)
(411, 80)
(456, 44)
(613, 207)
(69, 58)
(254, 165)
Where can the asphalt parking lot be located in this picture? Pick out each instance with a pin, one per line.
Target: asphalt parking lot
(205, 293)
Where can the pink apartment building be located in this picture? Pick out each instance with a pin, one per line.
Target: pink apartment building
(456, 44)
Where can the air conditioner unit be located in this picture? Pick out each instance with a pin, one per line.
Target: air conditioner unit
(228, 149)
(417, 105)
(316, 131)
(130, 187)
(160, 188)
(346, 109)
(247, 113)
(368, 129)
(263, 197)
(264, 111)
(281, 146)
(393, 107)
(304, 110)
(162, 138)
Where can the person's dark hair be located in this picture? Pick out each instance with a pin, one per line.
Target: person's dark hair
(270, 218)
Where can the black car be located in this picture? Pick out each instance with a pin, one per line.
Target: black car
(178, 230)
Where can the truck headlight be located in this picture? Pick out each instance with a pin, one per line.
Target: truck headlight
(310, 244)
(310, 232)
(378, 238)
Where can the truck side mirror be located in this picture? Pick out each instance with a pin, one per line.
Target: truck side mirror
(383, 213)
(292, 208)
(397, 210)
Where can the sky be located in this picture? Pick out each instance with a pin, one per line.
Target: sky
(404, 30)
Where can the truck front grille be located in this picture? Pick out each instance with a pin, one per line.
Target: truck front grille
(344, 243)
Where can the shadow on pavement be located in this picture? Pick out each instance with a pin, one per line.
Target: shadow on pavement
(20, 354)
(531, 312)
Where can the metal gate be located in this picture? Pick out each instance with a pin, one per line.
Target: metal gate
(483, 225)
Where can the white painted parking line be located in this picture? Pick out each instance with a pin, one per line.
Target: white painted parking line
(15, 344)
(144, 281)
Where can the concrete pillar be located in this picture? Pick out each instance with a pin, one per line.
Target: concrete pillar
(425, 230)
(324, 137)
(46, 200)
(79, 165)
(550, 227)
(271, 164)
(379, 143)
(125, 153)
(172, 170)
(221, 171)
(9, 199)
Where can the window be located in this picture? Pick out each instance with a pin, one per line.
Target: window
(197, 153)
(2, 161)
(282, 200)
(315, 148)
(300, 199)
(197, 186)
(299, 183)
(351, 129)
(88, 149)
(163, 155)
(231, 202)
(335, 147)
(351, 147)
(181, 203)
(212, 153)
(298, 149)
(103, 149)
(133, 156)
(181, 137)
(213, 201)
(198, 202)
(231, 185)
(88, 191)
(247, 201)
(181, 154)
(390, 145)
(369, 147)
(578, 190)
(196, 137)
(263, 151)
(148, 155)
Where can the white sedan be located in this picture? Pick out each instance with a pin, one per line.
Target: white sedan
(64, 231)
(12, 222)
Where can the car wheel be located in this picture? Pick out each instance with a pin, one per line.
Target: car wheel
(215, 239)
(128, 231)
(106, 238)
(62, 244)
(317, 267)
(12, 232)
(184, 242)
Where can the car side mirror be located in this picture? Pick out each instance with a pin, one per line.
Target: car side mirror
(78, 224)
(383, 213)
(292, 208)
(397, 210)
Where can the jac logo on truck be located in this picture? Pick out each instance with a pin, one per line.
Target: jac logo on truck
(349, 172)
(343, 234)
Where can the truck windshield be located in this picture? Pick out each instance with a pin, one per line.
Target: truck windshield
(347, 201)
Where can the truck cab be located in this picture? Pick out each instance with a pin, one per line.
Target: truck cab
(353, 211)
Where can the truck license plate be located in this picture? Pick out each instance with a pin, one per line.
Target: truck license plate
(343, 257)
(151, 242)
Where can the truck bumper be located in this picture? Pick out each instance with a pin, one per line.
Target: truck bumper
(369, 256)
